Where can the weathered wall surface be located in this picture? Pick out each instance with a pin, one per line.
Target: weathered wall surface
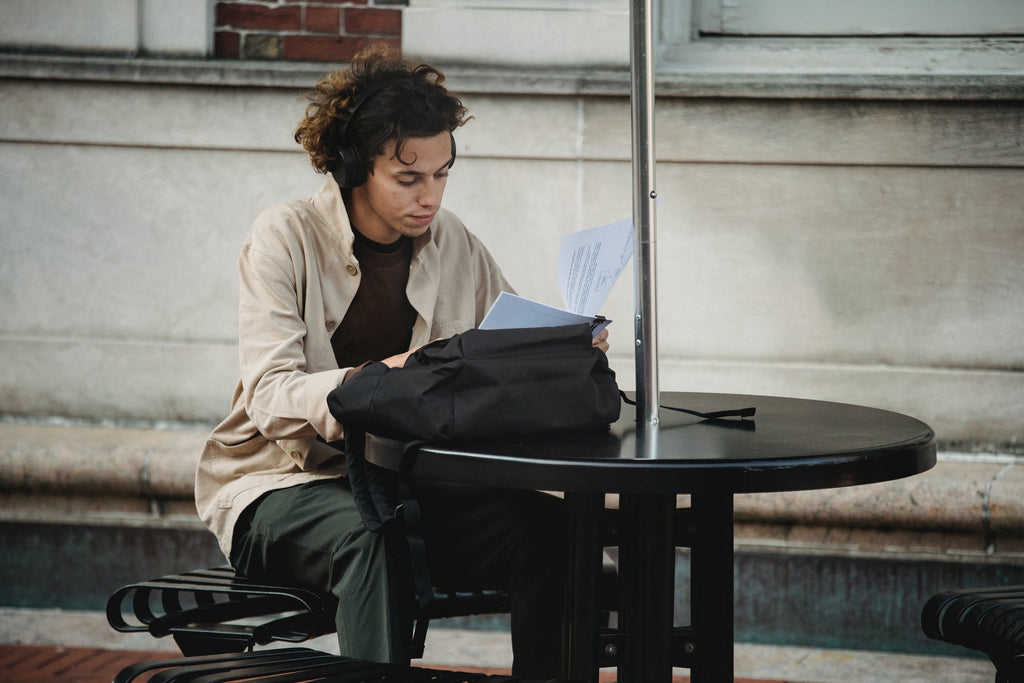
(852, 250)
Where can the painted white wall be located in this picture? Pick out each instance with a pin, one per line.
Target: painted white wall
(179, 27)
(529, 33)
(863, 251)
(851, 236)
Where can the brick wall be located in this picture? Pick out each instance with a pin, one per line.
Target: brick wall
(304, 30)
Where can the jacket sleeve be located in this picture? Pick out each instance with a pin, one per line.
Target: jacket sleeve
(283, 397)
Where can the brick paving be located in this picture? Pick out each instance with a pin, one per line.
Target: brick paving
(57, 664)
(43, 664)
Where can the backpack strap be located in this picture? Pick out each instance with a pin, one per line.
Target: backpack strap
(412, 526)
(372, 487)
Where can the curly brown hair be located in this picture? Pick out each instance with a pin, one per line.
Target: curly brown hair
(396, 99)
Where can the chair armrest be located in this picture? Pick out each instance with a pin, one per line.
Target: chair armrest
(218, 606)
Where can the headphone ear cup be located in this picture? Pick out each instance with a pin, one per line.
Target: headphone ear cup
(349, 171)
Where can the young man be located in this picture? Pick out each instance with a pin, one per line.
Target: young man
(368, 268)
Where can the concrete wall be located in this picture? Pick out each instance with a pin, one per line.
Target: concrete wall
(168, 27)
(857, 250)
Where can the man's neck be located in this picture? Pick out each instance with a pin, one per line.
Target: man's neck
(365, 220)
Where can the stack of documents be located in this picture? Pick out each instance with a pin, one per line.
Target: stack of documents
(589, 264)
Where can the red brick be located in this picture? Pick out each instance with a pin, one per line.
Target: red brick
(259, 17)
(323, 20)
(386, 22)
(326, 48)
(226, 44)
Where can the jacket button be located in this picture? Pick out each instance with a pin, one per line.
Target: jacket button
(352, 270)
(296, 455)
(331, 324)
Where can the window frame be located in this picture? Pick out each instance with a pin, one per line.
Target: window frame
(865, 18)
(684, 48)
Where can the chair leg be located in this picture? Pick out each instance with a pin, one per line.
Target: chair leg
(419, 638)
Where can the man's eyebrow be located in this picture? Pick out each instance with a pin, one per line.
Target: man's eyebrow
(411, 172)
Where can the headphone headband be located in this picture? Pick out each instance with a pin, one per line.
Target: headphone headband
(353, 109)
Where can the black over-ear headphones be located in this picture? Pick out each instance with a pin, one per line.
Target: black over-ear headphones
(349, 171)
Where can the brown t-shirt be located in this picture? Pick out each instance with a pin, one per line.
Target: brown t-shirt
(379, 320)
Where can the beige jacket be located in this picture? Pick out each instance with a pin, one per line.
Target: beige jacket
(298, 276)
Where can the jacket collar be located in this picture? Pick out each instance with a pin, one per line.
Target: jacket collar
(330, 202)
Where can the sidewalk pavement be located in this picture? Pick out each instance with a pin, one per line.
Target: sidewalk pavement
(86, 635)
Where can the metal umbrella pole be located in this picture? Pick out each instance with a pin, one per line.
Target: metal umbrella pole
(646, 552)
(644, 196)
(646, 555)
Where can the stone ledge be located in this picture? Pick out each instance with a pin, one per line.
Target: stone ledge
(75, 459)
(491, 79)
(99, 475)
(958, 496)
(967, 506)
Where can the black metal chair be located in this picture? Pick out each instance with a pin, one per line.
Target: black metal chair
(216, 611)
(990, 620)
(290, 664)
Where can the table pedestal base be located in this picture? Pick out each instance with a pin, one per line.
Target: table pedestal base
(711, 588)
(579, 628)
(646, 646)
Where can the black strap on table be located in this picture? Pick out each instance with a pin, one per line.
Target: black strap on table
(714, 415)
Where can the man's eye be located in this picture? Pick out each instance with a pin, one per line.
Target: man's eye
(407, 183)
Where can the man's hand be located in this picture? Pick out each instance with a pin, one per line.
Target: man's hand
(601, 340)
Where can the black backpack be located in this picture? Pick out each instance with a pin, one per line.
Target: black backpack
(478, 384)
(484, 383)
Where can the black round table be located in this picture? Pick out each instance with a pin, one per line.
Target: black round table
(790, 444)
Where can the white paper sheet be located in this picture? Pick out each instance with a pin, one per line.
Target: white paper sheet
(509, 311)
(589, 263)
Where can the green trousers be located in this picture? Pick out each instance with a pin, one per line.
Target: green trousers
(312, 535)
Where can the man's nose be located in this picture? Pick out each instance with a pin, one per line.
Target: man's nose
(431, 192)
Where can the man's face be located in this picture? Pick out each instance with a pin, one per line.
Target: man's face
(401, 197)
